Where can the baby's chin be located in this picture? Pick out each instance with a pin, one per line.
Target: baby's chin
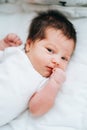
(47, 75)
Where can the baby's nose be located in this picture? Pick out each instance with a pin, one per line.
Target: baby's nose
(56, 60)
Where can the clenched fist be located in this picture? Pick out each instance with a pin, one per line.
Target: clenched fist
(58, 76)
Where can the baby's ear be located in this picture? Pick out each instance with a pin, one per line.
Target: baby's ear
(27, 45)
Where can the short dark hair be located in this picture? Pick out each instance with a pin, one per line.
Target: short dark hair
(53, 19)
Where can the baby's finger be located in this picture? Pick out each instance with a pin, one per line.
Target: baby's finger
(17, 41)
(59, 75)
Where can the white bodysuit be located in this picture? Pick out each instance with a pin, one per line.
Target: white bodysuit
(18, 82)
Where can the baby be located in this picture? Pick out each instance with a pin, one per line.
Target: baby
(49, 47)
(51, 86)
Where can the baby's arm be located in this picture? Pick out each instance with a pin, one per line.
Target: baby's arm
(10, 40)
(43, 100)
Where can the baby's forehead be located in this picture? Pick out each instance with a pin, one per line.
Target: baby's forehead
(62, 32)
(48, 29)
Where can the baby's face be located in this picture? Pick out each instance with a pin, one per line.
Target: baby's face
(49, 53)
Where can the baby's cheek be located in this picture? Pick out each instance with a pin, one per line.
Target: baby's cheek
(64, 66)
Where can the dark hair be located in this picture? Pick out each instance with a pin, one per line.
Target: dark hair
(53, 19)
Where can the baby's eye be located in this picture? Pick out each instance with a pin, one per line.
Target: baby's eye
(50, 50)
(64, 58)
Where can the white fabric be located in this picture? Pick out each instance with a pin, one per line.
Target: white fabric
(19, 6)
(70, 109)
(18, 81)
(56, 2)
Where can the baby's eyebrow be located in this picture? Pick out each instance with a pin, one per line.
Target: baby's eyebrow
(51, 45)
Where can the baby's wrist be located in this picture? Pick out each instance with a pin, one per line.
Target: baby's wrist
(2, 45)
(56, 81)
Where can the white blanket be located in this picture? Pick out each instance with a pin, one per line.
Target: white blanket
(70, 109)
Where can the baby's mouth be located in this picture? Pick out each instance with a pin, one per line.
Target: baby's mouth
(50, 69)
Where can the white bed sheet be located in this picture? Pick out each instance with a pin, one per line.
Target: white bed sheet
(70, 109)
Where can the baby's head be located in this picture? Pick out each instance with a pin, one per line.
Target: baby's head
(51, 19)
(51, 42)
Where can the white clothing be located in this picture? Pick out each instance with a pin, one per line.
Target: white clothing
(18, 82)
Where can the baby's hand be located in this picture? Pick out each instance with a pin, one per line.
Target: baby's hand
(58, 75)
(10, 40)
